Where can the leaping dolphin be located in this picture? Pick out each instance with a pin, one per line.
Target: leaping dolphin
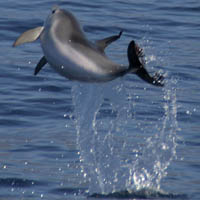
(73, 56)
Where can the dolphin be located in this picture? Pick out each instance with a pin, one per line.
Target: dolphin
(68, 51)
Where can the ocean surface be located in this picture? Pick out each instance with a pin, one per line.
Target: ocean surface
(124, 139)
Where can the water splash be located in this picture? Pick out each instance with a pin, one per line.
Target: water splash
(160, 149)
(116, 151)
(94, 135)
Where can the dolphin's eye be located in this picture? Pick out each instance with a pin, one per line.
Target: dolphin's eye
(54, 9)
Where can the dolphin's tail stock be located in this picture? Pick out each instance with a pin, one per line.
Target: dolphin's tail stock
(137, 65)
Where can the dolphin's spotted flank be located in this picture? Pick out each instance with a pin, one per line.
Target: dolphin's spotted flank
(73, 56)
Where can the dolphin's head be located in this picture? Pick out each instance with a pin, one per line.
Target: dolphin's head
(52, 17)
(60, 16)
(62, 22)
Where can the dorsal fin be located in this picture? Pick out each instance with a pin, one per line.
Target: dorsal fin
(103, 43)
(28, 36)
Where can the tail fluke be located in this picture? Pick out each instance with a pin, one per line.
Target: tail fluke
(137, 66)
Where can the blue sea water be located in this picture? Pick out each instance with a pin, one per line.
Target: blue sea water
(125, 139)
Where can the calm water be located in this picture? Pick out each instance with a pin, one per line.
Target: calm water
(125, 139)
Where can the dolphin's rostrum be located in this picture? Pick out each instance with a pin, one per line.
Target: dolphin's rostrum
(73, 56)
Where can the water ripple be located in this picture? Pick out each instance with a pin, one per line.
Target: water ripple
(21, 183)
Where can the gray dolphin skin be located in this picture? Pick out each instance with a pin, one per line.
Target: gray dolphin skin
(67, 50)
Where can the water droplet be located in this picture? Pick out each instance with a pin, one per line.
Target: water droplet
(187, 112)
(164, 146)
(152, 58)
(166, 107)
